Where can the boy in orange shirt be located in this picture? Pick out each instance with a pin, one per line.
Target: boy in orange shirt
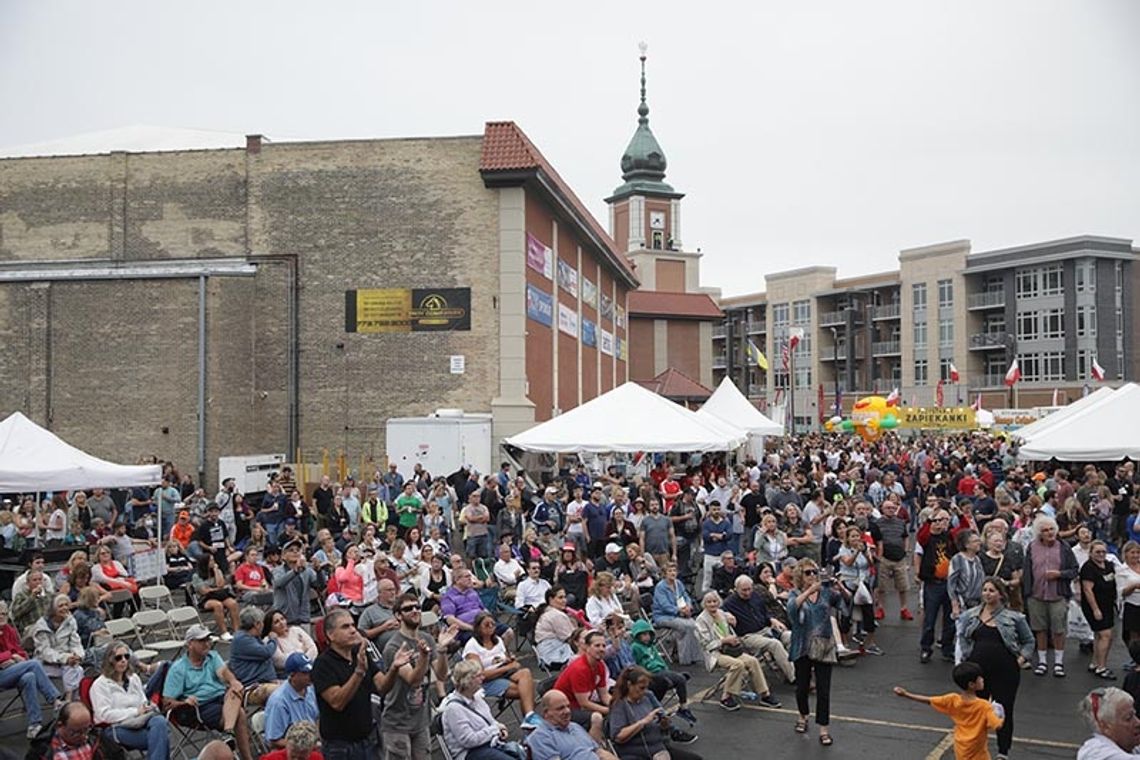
(973, 717)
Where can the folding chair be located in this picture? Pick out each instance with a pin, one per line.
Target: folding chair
(85, 698)
(181, 618)
(125, 630)
(122, 596)
(437, 734)
(258, 743)
(158, 597)
(156, 630)
(185, 722)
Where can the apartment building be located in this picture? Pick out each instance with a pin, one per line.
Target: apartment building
(947, 313)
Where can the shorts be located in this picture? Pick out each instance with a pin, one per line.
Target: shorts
(211, 712)
(414, 746)
(896, 572)
(496, 687)
(581, 717)
(1048, 616)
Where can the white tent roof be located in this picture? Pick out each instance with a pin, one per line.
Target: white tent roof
(1102, 431)
(728, 404)
(34, 459)
(629, 418)
(1030, 431)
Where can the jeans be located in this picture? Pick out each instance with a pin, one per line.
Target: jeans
(339, 749)
(487, 752)
(155, 738)
(935, 596)
(32, 681)
(479, 547)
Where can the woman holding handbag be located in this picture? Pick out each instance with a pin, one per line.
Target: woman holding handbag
(120, 705)
(638, 724)
(813, 649)
(855, 564)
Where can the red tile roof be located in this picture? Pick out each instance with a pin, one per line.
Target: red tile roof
(675, 384)
(651, 303)
(506, 148)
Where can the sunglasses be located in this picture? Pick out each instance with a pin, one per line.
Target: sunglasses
(811, 572)
(409, 608)
(120, 657)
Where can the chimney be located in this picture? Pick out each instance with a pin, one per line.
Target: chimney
(253, 143)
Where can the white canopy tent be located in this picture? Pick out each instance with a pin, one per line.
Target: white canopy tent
(728, 404)
(1048, 422)
(1103, 431)
(35, 459)
(629, 419)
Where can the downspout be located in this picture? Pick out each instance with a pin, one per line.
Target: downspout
(201, 379)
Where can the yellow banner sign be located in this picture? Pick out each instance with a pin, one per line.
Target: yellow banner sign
(388, 310)
(938, 418)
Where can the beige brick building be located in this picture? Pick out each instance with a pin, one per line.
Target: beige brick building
(192, 304)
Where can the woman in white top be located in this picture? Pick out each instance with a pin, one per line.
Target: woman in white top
(1128, 586)
(120, 706)
(289, 639)
(502, 674)
(603, 602)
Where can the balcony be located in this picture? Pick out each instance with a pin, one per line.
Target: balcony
(720, 361)
(828, 354)
(885, 348)
(887, 311)
(989, 341)
(993, 299)
(996, 380)
(756, 391)
(720, 331)
(885, 386)
(757, 326)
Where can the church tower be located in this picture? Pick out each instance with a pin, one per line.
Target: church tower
(671, 316)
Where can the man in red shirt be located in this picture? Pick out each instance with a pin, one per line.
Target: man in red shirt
(251, 580)
(584, 682)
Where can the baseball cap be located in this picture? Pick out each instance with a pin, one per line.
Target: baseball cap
(298, 662)
(337, 599)
(197, 632)
(613, 548)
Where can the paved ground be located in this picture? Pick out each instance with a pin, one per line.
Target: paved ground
(867, 720)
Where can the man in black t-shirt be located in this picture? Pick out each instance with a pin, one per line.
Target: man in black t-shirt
(344, 679)
(213, 537)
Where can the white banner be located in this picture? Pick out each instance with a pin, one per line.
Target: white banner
(567, 320)
(606, 342)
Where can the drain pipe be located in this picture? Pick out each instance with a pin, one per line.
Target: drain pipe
(201, 381)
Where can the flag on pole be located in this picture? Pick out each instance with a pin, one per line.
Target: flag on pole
(784, 355)
(838, 402)
(1013, 374)
(894, 397)
(795, 335)
(1097, 370)
(953, 373)
(1056, 393)
(938, 394)
(756, 355)
(822, 408)
(978, 403)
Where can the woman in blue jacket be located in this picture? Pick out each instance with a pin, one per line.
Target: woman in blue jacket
(673, 609)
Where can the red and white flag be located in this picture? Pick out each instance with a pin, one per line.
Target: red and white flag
(953, 373)
(938, 394)
(978, 403)
(1013, 374)
(894, 397)
(794, 337)
(1097, 371)
(784, 355)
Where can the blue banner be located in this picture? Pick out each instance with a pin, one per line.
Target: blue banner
(589, 332)
(539, 305)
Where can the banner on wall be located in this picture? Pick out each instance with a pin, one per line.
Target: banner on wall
(589, 293)
(401, 310)
(606, 343)
(589, 332)
(607, 308)
(623, 349)
(567, 320)
(619, 316)
(539, 305)
(568, 278)
(539, 257)
(938, 418)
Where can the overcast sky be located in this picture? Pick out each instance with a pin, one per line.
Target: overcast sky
(802, 133)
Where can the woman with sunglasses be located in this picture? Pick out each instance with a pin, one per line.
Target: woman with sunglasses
(813, 649)
(119, 704)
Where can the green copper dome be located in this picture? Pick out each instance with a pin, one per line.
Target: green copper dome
(643, 163)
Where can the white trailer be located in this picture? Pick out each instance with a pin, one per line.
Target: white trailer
(250, 473)
(442, 442)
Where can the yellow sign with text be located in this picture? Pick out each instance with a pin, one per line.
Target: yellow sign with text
(938, 418)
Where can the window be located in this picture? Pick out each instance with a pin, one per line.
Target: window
(1086, 276)
(1027, 283)
(921, 371)
(945, 333)
(1048, 366)
(918, 290)
(780, 314)
(801, 312)
(920, 335)
(1118, 277)
(1084, 364)
(1051, 323)
(803, 377)
(1086, 321)
(780, 379)
(658, 240)
(1027, 325)
(994, 285)
(1052, 280)
(944, 370)
(945, 293)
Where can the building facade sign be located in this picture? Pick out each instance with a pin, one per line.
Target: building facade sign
(539, 305)
(398, 310)
(539, 257)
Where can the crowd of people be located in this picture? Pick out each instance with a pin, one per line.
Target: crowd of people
(366, 609)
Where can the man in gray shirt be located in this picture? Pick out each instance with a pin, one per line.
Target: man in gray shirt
(657, 535)
(102, 505)
(291, 584)
(378, 620)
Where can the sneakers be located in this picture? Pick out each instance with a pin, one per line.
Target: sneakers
(904, 614)
(34, 730)
(227, 637)
(59, 704)
(730, 703)
(880, 614)
(769, 701)
(687, 714)
(873, 649)
(682, 737)
(530, 721)
(924, 658)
